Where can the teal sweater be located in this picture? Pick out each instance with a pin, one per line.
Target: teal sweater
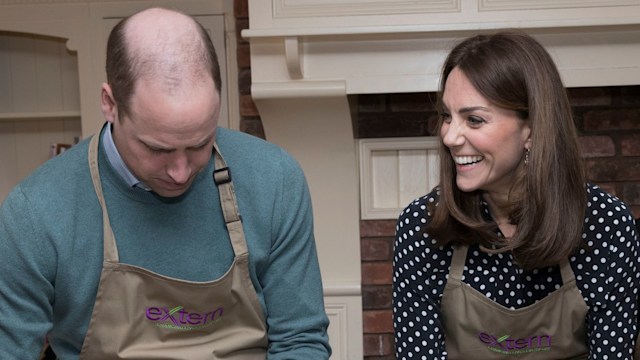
(51, 246)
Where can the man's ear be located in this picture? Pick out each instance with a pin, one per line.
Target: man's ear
(108, 104)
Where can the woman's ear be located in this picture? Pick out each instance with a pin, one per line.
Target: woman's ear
(527, 137)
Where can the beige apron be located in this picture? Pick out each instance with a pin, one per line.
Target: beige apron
(139, 314)
(478, 328)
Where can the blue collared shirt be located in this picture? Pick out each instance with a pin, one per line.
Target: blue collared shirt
(116, 161)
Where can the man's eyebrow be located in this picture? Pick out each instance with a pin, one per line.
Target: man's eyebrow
(204, 142)
(162, 148)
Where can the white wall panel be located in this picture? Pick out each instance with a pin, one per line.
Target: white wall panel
(25, 144)
(6, 93)
(48, 74)
(9, 174)
(38, 81)
(22, 65)
(394, 171)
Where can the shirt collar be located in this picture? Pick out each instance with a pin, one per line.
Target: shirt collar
(116, 161)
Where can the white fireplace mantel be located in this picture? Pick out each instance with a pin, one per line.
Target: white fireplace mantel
(307, 56)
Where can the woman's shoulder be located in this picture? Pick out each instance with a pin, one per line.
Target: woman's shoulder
(609, 231)
(421, 206)
(413, 221)
(605, 209)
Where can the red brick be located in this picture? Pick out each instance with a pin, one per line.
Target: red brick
(631, 193)
(371, 102)
(241, 24)
(378, 345)
(630, 144)
(252, 126)
(591, 96)
(608, 187)
(247, 106)
(243, 56)
(377, 228)
(372, 249)
(616, 119)
(376, 297)
(241, 8)
(392, 124)
(624, 169)
(376, 273)
(244, 81)
(377, 322)
(412, 102)
(597, 146)
(630, 95)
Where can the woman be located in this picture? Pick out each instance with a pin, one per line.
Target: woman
(514, 253)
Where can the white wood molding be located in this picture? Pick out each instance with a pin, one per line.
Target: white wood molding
(40, 115)
(319, 8)
(345, 326)
(293, 54)
(394, 171)
(499, 5)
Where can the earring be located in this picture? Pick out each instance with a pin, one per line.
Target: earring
(526, 156)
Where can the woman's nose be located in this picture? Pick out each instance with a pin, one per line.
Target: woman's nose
(452, 133)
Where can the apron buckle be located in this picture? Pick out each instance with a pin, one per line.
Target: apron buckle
(222, 176)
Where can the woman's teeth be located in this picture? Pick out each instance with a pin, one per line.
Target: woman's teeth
(467, 160)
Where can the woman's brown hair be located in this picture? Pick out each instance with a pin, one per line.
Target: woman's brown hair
(513, 71)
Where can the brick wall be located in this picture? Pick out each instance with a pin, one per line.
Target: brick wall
(249, 118)
(608, 120)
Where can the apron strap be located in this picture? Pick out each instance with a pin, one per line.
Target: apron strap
(458, 259)
(110, 251)
(232, 218)
(566, 272)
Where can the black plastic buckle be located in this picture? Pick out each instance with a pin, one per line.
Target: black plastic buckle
(222, 176)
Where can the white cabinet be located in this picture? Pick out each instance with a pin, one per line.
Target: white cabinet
(39, 102)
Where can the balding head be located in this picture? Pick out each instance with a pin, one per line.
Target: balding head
(161, 46)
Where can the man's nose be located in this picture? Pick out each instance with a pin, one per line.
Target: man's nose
(179, 170)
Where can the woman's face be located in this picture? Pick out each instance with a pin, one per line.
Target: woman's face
(487, 143)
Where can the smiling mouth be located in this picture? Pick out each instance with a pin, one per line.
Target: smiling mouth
(467, 160)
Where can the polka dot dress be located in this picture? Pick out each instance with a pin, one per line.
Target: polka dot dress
(607, 274)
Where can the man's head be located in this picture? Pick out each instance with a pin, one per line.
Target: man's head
(162, 97)
(157, 40)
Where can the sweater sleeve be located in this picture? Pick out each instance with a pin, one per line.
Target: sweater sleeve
(26, 289)
(291, 283)
(417, 288)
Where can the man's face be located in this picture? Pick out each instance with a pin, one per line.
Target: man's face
(167, 139)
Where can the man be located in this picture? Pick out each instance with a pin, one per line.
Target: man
(139, 243)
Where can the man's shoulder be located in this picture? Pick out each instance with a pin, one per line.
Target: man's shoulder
(57, 176)
(237, 146)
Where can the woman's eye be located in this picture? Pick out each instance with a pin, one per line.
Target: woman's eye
(445, 117)
(474, 120)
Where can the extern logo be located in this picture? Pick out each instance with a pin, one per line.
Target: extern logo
(178, 318)
(509, 346)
